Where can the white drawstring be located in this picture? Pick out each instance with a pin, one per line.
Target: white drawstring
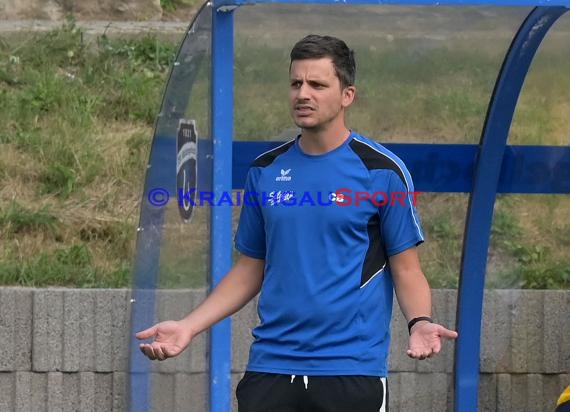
(305, 380)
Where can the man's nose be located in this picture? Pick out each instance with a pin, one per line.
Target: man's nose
(303, 92)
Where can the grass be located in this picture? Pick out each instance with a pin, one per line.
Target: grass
(173, 5)
(17, 220)
(78, 117)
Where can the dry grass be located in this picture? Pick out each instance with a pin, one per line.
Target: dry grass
(71, 174)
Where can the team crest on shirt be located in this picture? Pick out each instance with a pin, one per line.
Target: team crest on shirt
(284, 177)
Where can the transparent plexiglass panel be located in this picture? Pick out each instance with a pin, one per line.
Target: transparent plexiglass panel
(424, 74)
(173, 248)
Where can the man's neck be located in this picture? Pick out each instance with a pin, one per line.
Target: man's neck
(319, 142)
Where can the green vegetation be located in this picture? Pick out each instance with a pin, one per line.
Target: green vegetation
(173, 5)
(168, 5)
(77, 119)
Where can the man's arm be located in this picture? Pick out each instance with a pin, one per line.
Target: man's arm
(237, 288)
(414, 298)
(410, 284)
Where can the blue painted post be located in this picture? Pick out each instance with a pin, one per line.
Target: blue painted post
(221, 217)
(482, 200)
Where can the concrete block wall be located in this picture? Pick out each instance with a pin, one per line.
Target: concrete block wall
(67, 350)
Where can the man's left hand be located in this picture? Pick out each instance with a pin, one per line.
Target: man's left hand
(425, 339)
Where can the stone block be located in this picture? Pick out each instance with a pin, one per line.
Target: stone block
(399, 361)
(162, 392)
(556, 338)
(191, 392)
(242, 324)
(120, 391)
(103, 391)
(16, 328)
(420, 392)
(121, 329)
(48, 317)
(87, 392)
(487, 392)
(72, 392)
(504, 392)
(78, 330)
(55, 391)
(496, 331)
(7, 390)
(103, 325)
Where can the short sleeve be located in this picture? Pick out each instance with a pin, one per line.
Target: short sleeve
(399, 221)
(250, 235)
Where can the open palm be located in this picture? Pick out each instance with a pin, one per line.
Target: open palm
(425, 340)
(170, 339)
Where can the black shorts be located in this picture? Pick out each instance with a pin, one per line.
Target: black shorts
(268, 392)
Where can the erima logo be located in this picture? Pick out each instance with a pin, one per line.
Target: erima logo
(283, 177)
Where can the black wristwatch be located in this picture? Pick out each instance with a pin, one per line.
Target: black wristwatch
(412, 322)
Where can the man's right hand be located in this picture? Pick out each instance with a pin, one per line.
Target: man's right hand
(237, 288)
(170, 339)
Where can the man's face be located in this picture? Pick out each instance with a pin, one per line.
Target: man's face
(315, 94)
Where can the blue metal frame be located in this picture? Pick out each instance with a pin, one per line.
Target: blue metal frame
(502, 3)
(450, 168)
(221, 217)
(482, 200)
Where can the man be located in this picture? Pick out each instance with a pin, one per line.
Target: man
(330, 232)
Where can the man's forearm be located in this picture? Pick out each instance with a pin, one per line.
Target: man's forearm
(233, 292)
(414, 295)
(410, 284)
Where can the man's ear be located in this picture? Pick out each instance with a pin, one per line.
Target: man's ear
(348, 95)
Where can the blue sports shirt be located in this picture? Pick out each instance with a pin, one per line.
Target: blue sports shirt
(325, 226)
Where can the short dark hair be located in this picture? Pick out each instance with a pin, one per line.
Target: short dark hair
(314, 46)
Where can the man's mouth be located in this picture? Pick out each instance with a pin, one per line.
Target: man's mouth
(303, 110)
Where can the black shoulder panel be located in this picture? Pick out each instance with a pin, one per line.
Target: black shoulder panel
(267, 158)
(374, 159)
